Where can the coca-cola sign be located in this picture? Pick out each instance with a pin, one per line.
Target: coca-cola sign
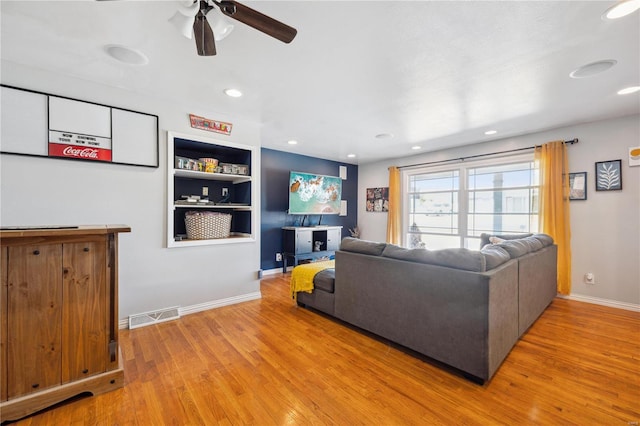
(79, 152)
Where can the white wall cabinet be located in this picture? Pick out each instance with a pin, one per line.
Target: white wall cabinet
(239, 200)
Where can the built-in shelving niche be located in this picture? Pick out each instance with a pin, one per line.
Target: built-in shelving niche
(240, 203)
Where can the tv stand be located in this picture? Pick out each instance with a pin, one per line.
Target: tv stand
(300, 243)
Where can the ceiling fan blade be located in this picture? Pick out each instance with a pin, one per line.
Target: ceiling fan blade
(205, 44)
(257, 20)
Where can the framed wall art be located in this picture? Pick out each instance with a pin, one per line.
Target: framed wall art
(578, 186)
(378, 199)
(634, 156)
(609, 175)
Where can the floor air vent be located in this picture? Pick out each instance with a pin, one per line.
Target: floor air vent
(154, 317)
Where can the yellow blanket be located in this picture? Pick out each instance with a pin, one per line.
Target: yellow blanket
(302, 275)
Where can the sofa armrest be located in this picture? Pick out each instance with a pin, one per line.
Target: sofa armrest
(537, 281)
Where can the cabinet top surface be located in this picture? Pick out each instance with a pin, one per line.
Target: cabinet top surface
(61, 230)
(312, 228)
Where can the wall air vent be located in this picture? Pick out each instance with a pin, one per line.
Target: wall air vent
(153, 317)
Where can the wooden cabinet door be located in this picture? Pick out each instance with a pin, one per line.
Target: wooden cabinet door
(85, 309)
(34, 318)
(3, 325)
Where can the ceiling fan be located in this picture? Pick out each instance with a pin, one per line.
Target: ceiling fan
(205, 41)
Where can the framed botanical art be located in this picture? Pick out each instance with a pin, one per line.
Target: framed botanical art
(609, 175)
(578, 186)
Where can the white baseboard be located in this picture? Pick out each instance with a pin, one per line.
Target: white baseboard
(186, 310)
(604, 302)
(275, 271)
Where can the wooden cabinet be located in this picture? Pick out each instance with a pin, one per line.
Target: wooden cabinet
(34, 325)
(309, 243)
(230, 189)
(59, 316)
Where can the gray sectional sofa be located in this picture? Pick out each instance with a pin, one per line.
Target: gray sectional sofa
(461, 307)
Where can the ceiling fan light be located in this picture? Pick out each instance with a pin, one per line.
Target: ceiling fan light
(190, 10)
(183, 23)
(220, 26)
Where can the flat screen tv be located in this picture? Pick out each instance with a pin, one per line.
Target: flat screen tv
(314, 194)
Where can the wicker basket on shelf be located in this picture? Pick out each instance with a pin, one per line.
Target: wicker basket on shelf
(207, 225)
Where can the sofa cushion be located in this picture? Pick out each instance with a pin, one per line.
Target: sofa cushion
(458, 258)
(534, 243)
(325, 280)
(515, 248)
(357, 245)
(494, 256)
(484, 238)
(545, 239)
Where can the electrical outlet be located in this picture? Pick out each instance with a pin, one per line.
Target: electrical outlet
(278, 257)
(589, 278)
(225, 192)
(205, 191)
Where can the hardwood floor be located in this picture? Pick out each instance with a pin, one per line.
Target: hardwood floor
(269, 362)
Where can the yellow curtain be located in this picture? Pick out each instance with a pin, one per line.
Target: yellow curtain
(394, 226)
(554, 205)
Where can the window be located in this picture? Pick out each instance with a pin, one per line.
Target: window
(451, 206)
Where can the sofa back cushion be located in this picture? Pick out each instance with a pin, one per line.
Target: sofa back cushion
(515, 248)
(522, 246)
(494, 256)
(357, 245)
(545, 239)
(458, 258)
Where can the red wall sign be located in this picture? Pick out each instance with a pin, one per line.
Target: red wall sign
(202, 123)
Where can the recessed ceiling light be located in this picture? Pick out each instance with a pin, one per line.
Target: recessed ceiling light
(126, 55)
(593, 68)
(292, 142)
(351, 155)
(490, 132)
(384, 135)
(629, 90)
(416, 147)
(234, 93)
(621, 9)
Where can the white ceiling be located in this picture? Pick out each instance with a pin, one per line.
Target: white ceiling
(434, 74)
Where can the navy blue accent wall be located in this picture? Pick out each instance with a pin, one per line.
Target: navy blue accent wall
(274, 199)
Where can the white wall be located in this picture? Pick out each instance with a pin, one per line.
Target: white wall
(40, 191)
(605, 228)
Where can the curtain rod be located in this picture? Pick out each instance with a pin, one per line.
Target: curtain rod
(570, 142)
